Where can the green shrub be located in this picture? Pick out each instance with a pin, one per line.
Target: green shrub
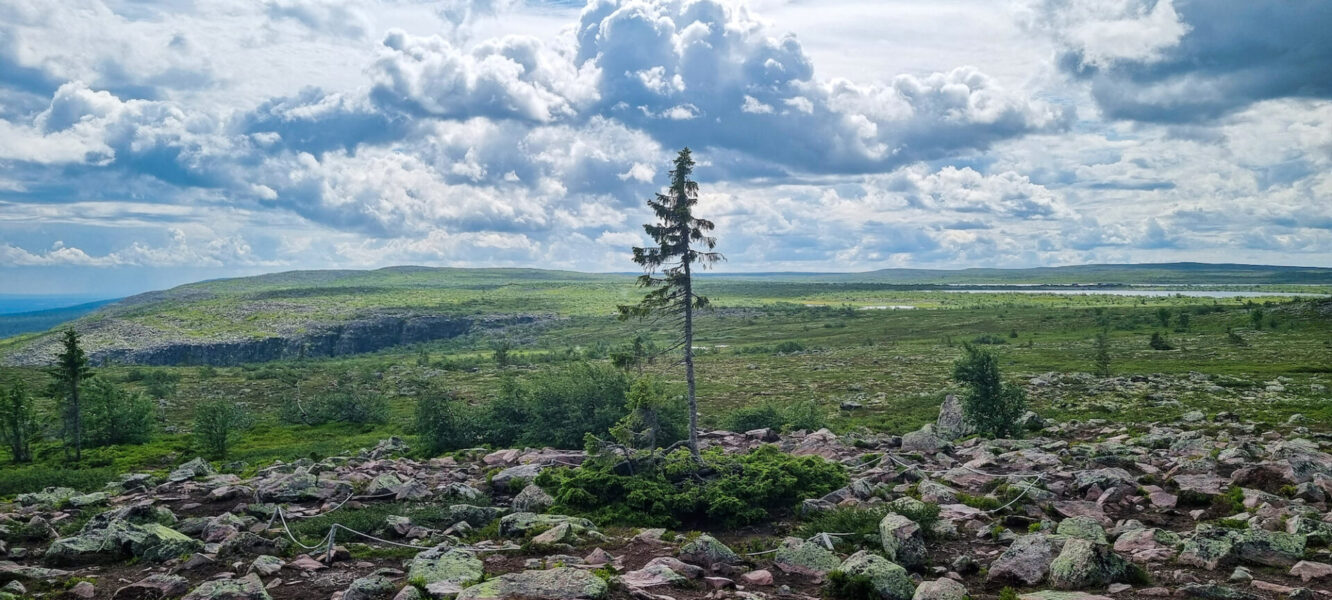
(559, 407)
(217, 425)
(336, 407)
(19, 423)
(35, 478)
(842, 586)
(1008, 593)
(769, 415)
(789, 347)
(861, 523)
(112, 415)
(805, 415)
(764, 415)
(1158, 342)
(978, 502)
(656, 417)
(444, 422)
(727, 490)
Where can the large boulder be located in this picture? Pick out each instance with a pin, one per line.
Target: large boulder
(506, 480)
(1086, 564)
(119, 539)
(300, 486)
(564, 583)
(805, 557)
(903, 542)
(1211, 547)
(525, 524)
(1083, 528)
(444, 571)
(890, 580)
(941, 589)
(1026, 561)
(373, 587)
(159, 586)
(1148, 545)
(706, 550)
(532, 499)
(923, 441)
(11, 571)
(652, 575)
(952, 422)
(191, 470)
(248, 587)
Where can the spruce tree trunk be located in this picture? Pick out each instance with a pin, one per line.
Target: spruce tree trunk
(689, 359)
(77, 409)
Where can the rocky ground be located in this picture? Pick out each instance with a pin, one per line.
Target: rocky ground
(1207, 508)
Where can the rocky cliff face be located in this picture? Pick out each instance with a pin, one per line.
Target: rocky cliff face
(368, 334)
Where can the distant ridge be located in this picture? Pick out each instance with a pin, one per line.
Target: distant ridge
(338, 312)
(1178, 273)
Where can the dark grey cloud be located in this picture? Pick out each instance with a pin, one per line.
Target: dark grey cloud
(1218, 57)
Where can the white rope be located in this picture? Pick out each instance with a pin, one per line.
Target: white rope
(331, 537)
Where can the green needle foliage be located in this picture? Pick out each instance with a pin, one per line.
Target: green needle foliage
(671, 294)
(217, 425)
(70, 371)
(19, 424)
(993, 406)
(1102, 357)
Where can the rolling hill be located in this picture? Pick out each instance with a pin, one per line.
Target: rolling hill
(339, 312)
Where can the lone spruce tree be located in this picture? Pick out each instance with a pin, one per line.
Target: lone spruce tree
(70, 371)
(668, 268)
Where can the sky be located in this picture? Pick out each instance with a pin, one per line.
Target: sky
(147, 143)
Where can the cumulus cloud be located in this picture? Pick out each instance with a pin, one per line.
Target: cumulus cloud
(511, 77)
(357, 144)
(179, 250)
(1187, 61)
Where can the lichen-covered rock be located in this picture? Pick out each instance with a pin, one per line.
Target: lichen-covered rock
(564, 583)
(652, 575)
(11, 571)
(244, 588)
(476, 516)
(463, 493)
(1148, 545)
(191, 470)
(936, 493)
(952, 422)
(1209, 547)
(1025, 561)
(444, 571)
(159, 586)
(1214, 591)
(384, 484)
(51, 497)
(532, 499)
(1082, 527)
(373, 587)
(99, 541)
(267, 565)
(902, 539)
(1269, 548)
(804, 557)
(706, 550)
(300, 486)
(1085, 564)
(505, 480)
(889, 580)
(524, 523)
(940, 589)
(922, 441)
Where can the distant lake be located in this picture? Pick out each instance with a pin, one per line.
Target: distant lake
(1149, 293)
